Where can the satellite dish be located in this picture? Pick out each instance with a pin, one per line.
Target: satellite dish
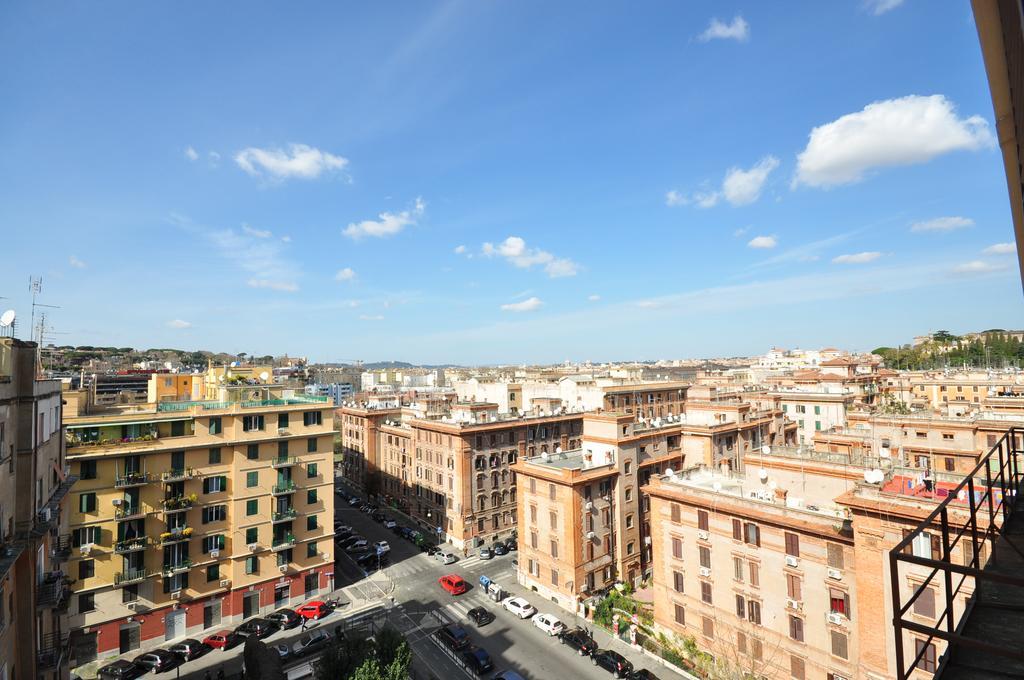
(7, 318)
(763, 474)
(264, 375)
(766, 450)
(167, 365)
(717, 486)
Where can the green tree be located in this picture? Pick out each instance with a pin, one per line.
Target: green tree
(369, 670)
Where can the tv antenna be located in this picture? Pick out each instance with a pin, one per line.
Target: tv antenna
(35, 285)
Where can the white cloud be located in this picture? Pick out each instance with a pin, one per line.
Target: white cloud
(738, 30)
(527, 305)
(942, 224)
(977, 267)
(76, 263)
(878, 7)
(740, 232)
(857, 258)
(213, 157)
(593, 298)
(286, 239)
(386, 224)
(299, 161)
(707, 199)
(178, 323)
(345, 274)
(459, 250)
(261, 258)
(191, 153)
(283, 286)
(742, 187)
(893, 132)
(371, 317)
(514, 250)
(674, 198)
(1001, 249)
(762, 242)
(648, 304)
(256, 233)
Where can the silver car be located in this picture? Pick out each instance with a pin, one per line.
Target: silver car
(445, 557)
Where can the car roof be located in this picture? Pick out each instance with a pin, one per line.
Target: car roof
(456, 629)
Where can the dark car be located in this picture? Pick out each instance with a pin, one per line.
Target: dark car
(454, 637)
(480, 616)
(258, 628)
(346, 542)
(285, 618)
(354, 501)
(500, 549)
(311, 642)
(511, 545)
(378, 517)
(370, 560)
(643, 674)
(478, 660)
(613, 662)
(189, 649)
(580, 640)
(121, 669)
(398, 529)
(157, 660)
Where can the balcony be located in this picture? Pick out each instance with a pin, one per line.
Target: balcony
(176, 535)
(178, 504)
(131, 479)
(126, 512)
(74, 441)
(283, 515)
(130, 576)
(177, 475)
(53, 592)
(131, 545)
(60, 548)
(283, 542)
(284, 461)
(177, 567)
(53, 651)
(283, 488)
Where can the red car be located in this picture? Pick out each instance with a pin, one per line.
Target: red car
(453, 583)
(223, 639)
(314, 609)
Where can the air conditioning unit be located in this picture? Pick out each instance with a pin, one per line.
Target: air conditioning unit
(283, 431)
(86, 548)
(225, 583)
(792, 561)
(835, 574)
(591, 535)
(176, 595)
(325, 556)
(589, 505)
(835, 618)
(705, 571)
(215, 553)
(131, 605)
(702, 535)
(283, 568)
(46, 514)
(793, 604)
(253, 547)
(117, 501)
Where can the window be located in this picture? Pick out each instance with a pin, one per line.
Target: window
(310, 418)
(737, 529)
(950, 464)
(793, 589)
(680, 615)
(817, 410)
(752, 534)
(754, 574)
(737, 568)
(282, 420)
(796, 628)
(675, 512)
(835, 555)
(213, 573)
(87, 502)
(311, 445)
(792, 544)
(628, 467)
(705, 556)
(741, 642)
(927, 662)
(310, 496)
(629, 494)
(86, 469)
(252, 565)
(677, 548)
(705, 592)
(216, 427)
(924, 605)
(840, 644)
(177, 428)
(86, 569)
(629, 521)
(553, 518)
(215, 542)
(677, 581)
(311, 470)
(741, 607)
(86, 602)
(551, 491)
(839, 602)
(707, 627)
(554, 577)
(215, 513)
(311, 583)
(756, 648)
(796, 667)
(282, 449)
(311, 549)
(251, 423)
(214, 455)
(311, 522)
(533, 536)
(754, 612)
(252, 452)
(215, 484)
(702, 520)
(252, 534)
(554, 548)
(629, 548)
(252, 479)
(130, 593)
(252, 506)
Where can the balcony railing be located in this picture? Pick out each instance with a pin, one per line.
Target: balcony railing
(282, 542)
(53, 592)
(175, 535)
(131, 545)
(127, 512)
(283, 515)
(284, 461)
(283, 487)
(132, 479)
(53, 650)
(177, 475)
(130, 576)
(60, 548)
(177, 504)
(974, 515)
(177, 567)
(74, 441)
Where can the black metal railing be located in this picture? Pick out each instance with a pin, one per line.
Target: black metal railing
(53, 650)
(973, 515)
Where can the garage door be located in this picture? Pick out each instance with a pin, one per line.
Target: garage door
(174, 625)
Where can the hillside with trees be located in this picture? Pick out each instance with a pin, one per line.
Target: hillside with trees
(994, 348)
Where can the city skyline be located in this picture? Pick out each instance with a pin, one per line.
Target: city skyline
(479, 185)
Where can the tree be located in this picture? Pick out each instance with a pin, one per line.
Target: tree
(369, 670)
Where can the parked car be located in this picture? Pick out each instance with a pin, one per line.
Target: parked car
(643, 674)
(613, 662)
(486, 553)
(344, 543)
(259, 628)
(357, 546)
(519, 607)
(478, 660)
(310, 642)
(122, 669)
(453, 583)
(222, 639)
(189, 649)
(314, 609)
(390, 524)
(453, 637)
(354, 501)
(157, 660)
(481, 616)
(382, 546)
(371, 560)
(578, 639)
(283, 651)
(378, 517)
(286, 618)
(548, 623)
(508, 675)
(445, 557)
(511, 545)
(342, 530)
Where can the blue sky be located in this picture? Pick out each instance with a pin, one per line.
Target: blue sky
(501, 182)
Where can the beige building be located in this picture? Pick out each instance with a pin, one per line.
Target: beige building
(34, 483)
(814, 410)
(193, 515)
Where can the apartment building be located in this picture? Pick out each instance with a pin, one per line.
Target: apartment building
(575, 393)
(358, 427)
(34, 483)
(584, 519)
(190, 515)
(814, 410)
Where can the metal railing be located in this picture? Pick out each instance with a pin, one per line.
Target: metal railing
(131, 479)
(975, 512)
(283, 487)
(131, 545)
(177, 475)
(284, 461)
(130, 576)
(283, 515)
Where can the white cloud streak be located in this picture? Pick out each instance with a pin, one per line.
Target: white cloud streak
(527, 305)
(179, 324)
(738, 29)
(299, 161)
(371, 317)
(593, 298)
(256, 233)
(515, 251)
(857, 258)
(76, 263)
(977, 267)
(762, 242)
(879, 7)
(386, 224)
(739, 187)
(262, 258)
(1001, 249)
(893, 132)
(191, 154)
(345, 274)
(942, 224)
